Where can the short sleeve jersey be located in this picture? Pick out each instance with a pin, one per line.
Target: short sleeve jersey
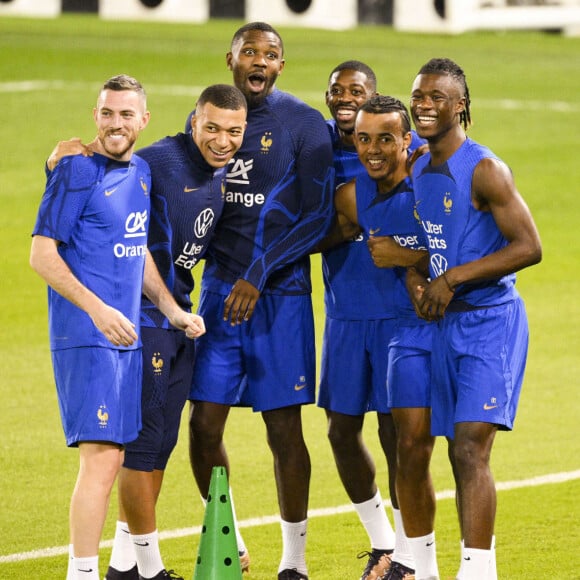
(187, 197)
(98, 209)
(458, 233)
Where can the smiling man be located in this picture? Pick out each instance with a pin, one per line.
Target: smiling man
(368, 312)
(187, 196)
(480, 232)
(90, 245)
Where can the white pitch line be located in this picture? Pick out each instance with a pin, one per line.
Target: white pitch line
(315, 513)
(193, 91)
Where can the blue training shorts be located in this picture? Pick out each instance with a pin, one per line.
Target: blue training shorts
(267, 362)
(168, 357)
(99, 393)
(478, 366)
(409, 372)
(354, 365)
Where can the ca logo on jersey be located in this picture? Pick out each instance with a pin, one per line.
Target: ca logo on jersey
(239, 171)
(135, 224)
(203, 222)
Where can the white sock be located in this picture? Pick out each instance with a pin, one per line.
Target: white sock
(462, 548)
(70, 571)
(492, 572)
(86, 568)
(424, 552)
(402, 553)
(474, 564)
(123, 556)
(374, 518)
(240, 541)
(293, 546)
(148, 554)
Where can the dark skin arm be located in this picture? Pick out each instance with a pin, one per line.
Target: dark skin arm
(493, 190)
(241, 301)
(73, 146)
(387, 253)
(345, 226)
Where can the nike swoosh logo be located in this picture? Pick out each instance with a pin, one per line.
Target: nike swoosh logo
(428, 544)
(487, 407)
(87, 571)
(467, 558)
(190, 189)
(142, 544)
(110, 191)
(299, 387)
(375, 231)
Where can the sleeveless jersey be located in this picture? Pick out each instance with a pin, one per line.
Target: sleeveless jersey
(348, 267)
(186, 202)
(389, 214)
(457, 233)
(98, 209)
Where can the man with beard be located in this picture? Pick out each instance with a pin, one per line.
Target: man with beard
(187, 184)
(89, 244)
(256, 288)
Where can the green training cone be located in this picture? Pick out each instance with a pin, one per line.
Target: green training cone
(217, 556)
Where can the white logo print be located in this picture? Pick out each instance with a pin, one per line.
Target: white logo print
(203, 222)
(239, 171)
(439, 264)
(135, 225)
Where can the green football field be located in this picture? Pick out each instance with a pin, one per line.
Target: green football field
(525, 90)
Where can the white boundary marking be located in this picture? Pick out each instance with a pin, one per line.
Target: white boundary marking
(29, 86)
(315, 513)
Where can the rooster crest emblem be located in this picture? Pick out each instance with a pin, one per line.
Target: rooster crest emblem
(416, 212)
(103, 416)
(157, 363)
(144, 186)
(266, 142)
(447, 202)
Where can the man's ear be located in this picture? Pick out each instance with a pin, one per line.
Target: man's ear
(460, 107)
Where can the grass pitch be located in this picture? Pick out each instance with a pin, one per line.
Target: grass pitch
(525, 106)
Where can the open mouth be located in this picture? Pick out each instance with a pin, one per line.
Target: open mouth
(257, 82)
(425, 120)
(375, 163)
(220, 154)
(345, 114)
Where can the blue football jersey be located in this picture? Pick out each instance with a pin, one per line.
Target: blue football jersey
(348, 269)
(98, 209)
(278, 200)
(187, 197)
(458, 233)
(388, 214)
